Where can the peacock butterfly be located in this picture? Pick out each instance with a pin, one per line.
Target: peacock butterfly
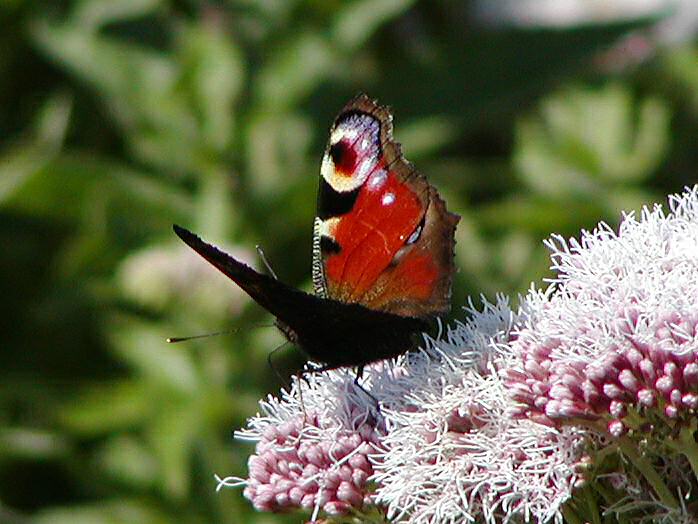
(383, 247)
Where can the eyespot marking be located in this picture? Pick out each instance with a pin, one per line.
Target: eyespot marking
(365, 167)
(415, 234)
(343, 157)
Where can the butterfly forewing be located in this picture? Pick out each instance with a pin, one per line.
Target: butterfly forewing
(383, 237)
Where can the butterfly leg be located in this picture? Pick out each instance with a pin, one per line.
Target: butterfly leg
(359, 374)
(274, 369)
(301, 377)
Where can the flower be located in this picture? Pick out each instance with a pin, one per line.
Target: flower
(312, 448)
(612, 345)
(451, 453)
(615, 341)
(441, 448)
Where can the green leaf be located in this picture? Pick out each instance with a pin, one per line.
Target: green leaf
(216, 72)
(539, 215)
(680, 63)
(22, 161)
(126, 460)
(127, 404)
(120, 511)
(137, 82)
(60, 189)
(294, 70)
(277, 151)
(216, 216)
(140, 88)
(171, 435)
(28, 443)
(95, 13)
(360, 19)
(583, 140)
(426, 136)
(149, 353)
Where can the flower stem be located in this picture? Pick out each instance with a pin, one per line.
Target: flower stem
(591, 504)
(645, 467)
(570, 516)
(686, 444)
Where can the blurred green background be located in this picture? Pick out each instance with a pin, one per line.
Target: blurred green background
(119, 118)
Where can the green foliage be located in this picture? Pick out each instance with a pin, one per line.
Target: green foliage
(119, 118)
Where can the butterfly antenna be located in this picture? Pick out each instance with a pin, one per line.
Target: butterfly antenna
(173, 340)
(260, 252)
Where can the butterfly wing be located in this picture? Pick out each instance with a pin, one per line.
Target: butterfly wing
(383, 237)
(329, 331)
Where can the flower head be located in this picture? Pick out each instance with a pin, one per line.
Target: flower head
(452, 453)
(441, 447)
(313, 448)
(615, 340)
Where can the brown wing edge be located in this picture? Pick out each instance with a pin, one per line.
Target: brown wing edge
(438, 238)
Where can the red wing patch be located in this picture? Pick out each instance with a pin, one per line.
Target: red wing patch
(381, 221)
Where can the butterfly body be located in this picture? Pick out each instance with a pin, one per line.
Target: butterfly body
(383, 246)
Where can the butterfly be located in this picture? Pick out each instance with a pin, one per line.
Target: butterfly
(383, 250)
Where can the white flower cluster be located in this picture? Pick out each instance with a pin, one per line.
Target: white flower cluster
(452, 452)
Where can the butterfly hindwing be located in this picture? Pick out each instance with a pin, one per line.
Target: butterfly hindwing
(382, 237)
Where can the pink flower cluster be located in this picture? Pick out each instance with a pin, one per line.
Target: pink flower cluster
(652, 375)
(298, 465)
